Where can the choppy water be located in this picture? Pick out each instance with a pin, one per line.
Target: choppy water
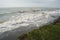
(13, 18)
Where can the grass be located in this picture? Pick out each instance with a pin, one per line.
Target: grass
(46, 32)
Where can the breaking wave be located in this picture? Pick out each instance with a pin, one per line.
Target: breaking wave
(26, 18)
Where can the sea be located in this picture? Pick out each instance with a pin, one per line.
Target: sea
(19, 20)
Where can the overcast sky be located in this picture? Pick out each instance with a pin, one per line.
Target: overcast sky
(29, 3)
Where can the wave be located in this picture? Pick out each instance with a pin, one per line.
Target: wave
(25, 19)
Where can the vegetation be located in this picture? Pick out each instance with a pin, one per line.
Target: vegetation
(46, 32)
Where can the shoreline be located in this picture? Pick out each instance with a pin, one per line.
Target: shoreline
(25, 36)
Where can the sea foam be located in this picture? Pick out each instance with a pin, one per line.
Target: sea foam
(29, 18)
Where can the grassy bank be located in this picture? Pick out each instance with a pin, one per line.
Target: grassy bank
(46, 32)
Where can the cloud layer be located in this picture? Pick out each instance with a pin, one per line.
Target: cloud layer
(29, 3)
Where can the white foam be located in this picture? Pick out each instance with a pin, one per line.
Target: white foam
(25, 19)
